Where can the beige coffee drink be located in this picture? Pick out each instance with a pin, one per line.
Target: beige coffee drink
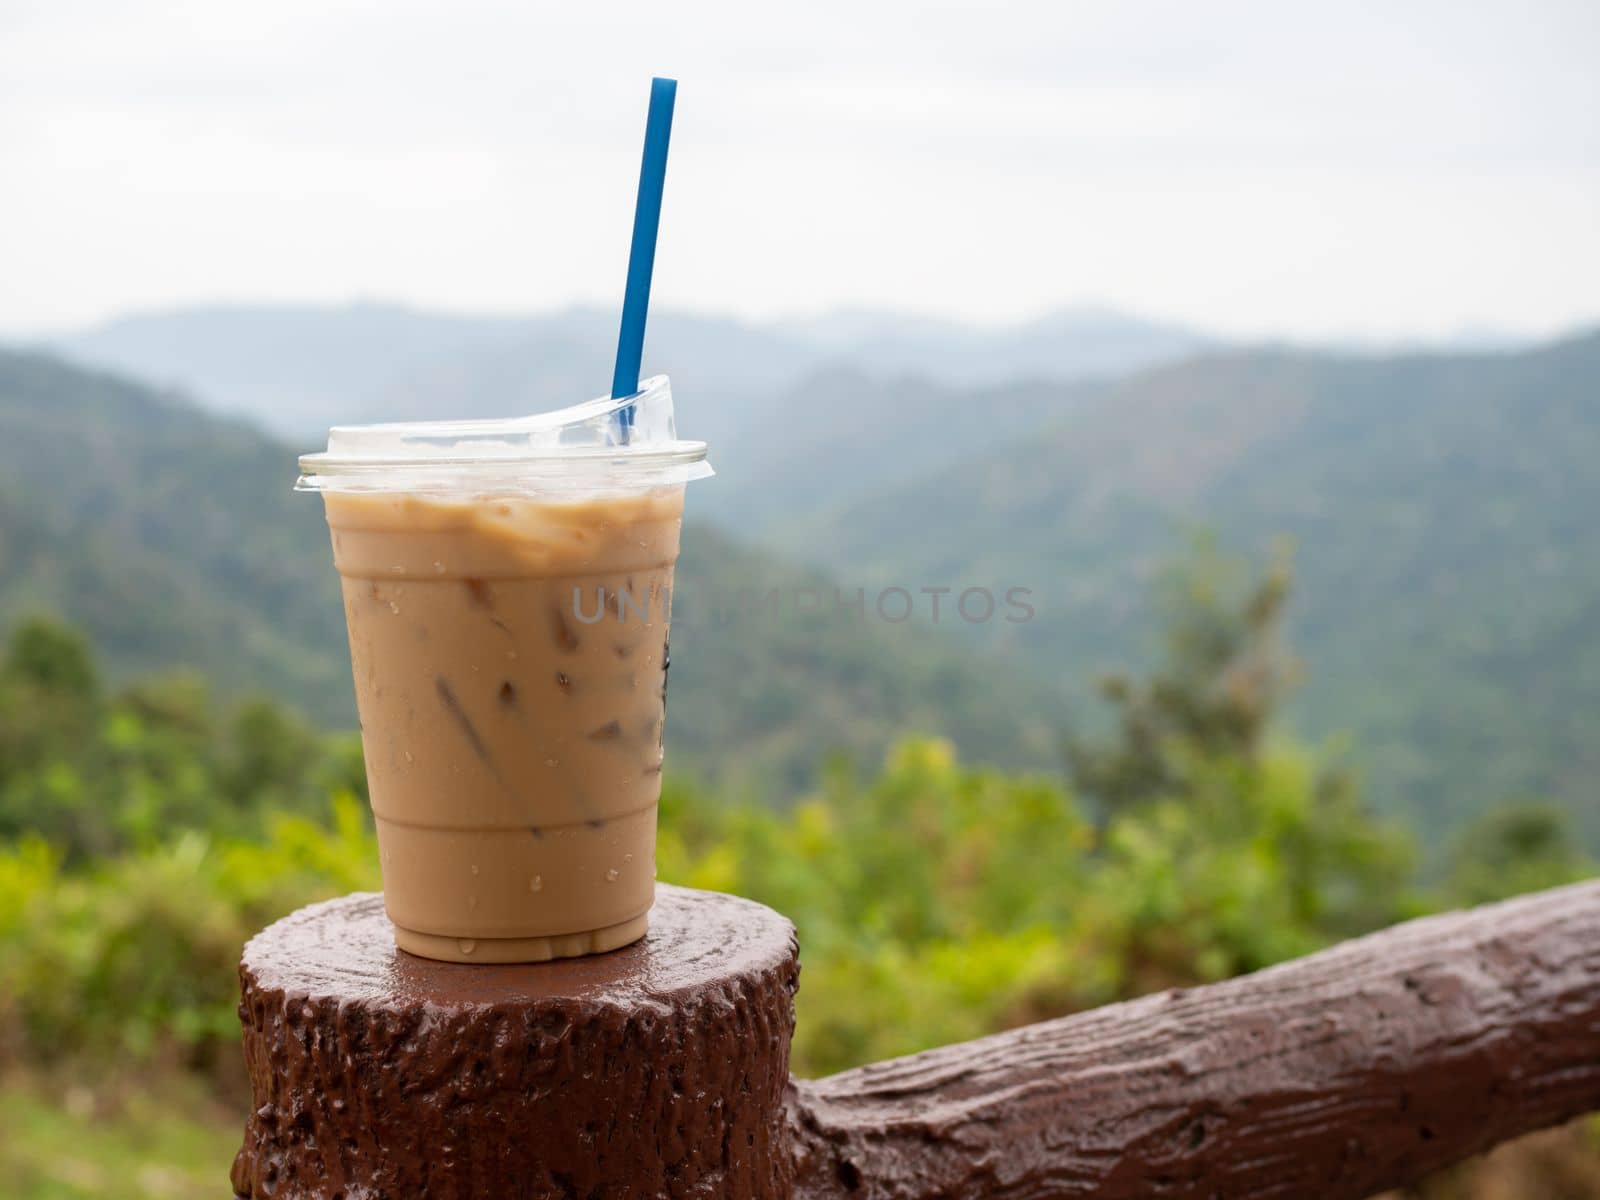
(507, 589)
(510, 659)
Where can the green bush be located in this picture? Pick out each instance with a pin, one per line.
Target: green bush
(934, 902)
(100, 773)
(144, 837)
(937, 902)
(129, 957)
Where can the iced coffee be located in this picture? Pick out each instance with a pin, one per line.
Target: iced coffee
(508, 600)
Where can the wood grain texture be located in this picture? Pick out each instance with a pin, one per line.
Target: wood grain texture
(1360, 1068)
(655, 1070)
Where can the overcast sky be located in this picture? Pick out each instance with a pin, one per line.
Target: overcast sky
(1342, 168)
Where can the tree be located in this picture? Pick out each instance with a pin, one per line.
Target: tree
(53, 657)
(50, 706)
(1222, 674)
(1520, 847)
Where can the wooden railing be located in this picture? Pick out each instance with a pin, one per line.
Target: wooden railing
(1361, 1068)
(662, 1070)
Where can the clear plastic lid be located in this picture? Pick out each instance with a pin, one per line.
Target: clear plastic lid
(598, 445)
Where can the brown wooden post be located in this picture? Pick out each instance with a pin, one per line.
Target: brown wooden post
(659, 1071)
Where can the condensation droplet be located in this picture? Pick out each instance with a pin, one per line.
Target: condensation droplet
(536, 884)
(627, 858)
(466, 945)
(439, 567)
(410, 757)
(549, 762)
(472, 902)
(474, 868)
(394, 608)
(611, 875)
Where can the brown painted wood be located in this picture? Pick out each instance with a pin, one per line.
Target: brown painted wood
(1360, 1068)
(656, 1070)
(659, 1070)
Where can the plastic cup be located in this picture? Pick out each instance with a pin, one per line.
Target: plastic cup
(507, 592)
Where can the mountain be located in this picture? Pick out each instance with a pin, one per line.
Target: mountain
(798, 414)
(297, 369)
(843, 433)
(1447, 573)
(173, 537)
(774, 668)
(1448, 555)
(1069, 344)
(170, 534)
(294, 370)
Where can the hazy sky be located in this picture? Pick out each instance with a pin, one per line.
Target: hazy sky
(1299, 169)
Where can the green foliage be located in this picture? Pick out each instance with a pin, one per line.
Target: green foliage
(97, 773)
(171, 536)
(136, 955)
(51, 662)
(1215, 691)
(1442, 509)
(146, 833)
(936, 902)
(1522, 847)
(763, 688)
(148, 829)
(98, 1138)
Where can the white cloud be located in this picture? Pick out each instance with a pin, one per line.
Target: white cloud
(1259, 168)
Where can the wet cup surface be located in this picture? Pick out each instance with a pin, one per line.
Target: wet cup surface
(509, 639)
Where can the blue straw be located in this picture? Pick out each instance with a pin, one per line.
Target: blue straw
(642, 257)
